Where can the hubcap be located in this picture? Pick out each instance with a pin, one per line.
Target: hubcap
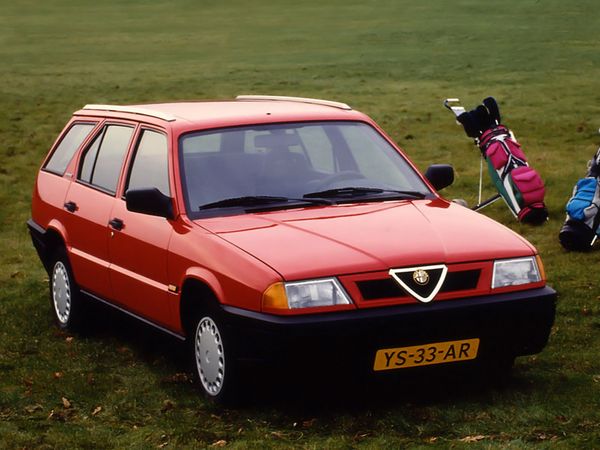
(61, 292)
(210, 356)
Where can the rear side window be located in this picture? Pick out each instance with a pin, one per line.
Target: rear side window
(102, 162)
(150, 166)
(67, 147)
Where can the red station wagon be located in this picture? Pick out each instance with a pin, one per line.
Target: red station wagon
(265, 227)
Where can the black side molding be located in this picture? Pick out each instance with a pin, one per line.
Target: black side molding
(135, 316)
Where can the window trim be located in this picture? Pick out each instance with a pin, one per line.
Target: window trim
(195, 215)
(133, 153)
(100, 136)
(134, 126)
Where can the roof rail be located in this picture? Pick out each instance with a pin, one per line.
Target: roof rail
(134, 110)
(313, 101)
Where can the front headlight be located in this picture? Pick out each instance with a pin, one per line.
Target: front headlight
(305, 294)
(514, 272)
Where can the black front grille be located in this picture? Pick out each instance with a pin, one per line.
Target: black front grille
(388, 287)
(376, 289)
(460, 281)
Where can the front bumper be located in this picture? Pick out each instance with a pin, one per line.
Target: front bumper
(510, 324)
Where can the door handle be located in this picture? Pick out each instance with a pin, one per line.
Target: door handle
(71, 206)
(117, 224)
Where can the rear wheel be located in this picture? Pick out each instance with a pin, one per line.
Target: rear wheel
(214, 359)
(65, 298)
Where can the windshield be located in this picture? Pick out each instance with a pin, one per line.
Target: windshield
(292, 164)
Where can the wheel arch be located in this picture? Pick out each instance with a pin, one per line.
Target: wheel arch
(54, 238)
(197, 295)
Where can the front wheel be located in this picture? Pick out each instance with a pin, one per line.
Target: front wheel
(65, 297)
(214, 360)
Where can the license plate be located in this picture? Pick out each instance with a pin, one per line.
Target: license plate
(425, 355)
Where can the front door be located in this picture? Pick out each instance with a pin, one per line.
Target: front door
(138, 243)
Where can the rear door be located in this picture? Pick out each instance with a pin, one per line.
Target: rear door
(138, 244)
(90, 200)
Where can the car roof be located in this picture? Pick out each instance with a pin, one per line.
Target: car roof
(244, 110)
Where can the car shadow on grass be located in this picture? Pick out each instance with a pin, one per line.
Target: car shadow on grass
(331, 392)
(308, 389)
(149, 345)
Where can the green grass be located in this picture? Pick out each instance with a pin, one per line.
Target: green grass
(394, 60)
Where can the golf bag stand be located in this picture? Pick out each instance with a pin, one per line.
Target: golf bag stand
(519, 185)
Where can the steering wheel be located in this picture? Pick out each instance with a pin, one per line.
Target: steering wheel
(338, 176)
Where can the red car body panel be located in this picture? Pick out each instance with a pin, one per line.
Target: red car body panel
(49, 192)
(88, 237)
(368, 237)
(234, 277)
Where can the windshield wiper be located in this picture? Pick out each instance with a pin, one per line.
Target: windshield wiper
(349, 192)
(260, 200)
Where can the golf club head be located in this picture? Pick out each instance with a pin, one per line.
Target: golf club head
(483, 118)
(493, 110)
(469, 123)
(453, 104)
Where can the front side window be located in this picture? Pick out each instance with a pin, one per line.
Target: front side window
(337, 161)
(150, 166)
(102, 161)
(67, 147)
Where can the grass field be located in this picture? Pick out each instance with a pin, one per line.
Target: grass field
(122, 386)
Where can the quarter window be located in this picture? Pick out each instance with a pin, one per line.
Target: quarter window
(102, 162)
(150, 167)
(67, 147)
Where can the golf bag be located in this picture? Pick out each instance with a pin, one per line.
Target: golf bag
(582, 227)
(519, 185)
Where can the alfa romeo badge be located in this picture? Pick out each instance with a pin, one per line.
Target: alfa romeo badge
(420, 277)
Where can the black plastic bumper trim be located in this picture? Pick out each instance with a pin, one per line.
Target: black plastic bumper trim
(546, 293)
(516, 323)
(38, 237)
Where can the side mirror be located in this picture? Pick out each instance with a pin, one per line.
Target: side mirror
(149, 201)
(440, 175)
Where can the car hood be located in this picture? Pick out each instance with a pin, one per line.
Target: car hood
(354, 238)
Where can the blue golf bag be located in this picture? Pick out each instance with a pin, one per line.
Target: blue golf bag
(582, 227)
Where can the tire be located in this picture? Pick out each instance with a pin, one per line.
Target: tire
(213, 359)
(65, 297)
